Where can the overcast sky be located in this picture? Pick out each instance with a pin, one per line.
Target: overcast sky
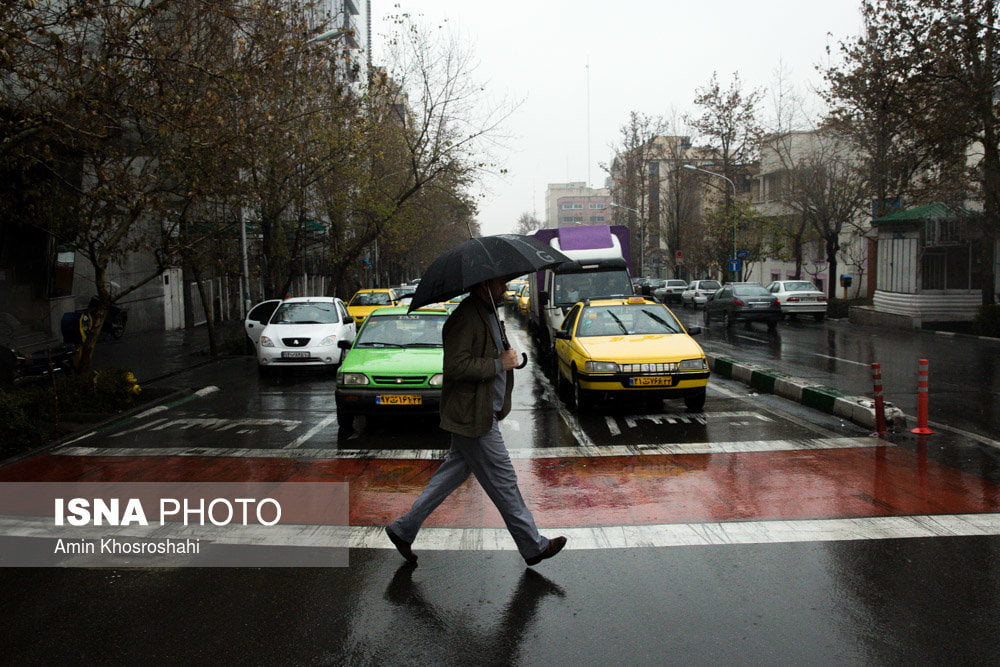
(644, 55)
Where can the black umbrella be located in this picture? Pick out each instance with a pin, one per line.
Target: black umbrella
(505, 256)
(458, 270)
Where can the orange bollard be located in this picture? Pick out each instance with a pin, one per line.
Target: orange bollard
(922, 401)
(880, 426)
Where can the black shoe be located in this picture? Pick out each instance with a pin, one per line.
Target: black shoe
(403, 547)
(555, 546)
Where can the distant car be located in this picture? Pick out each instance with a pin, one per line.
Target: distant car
(404, 290)
(698, 291)
(394, 365)
(743, 302)
(651, 284)
(302, 332)
(799, 297)
(524, 300)
(365, 301)
(513, 289)
(670, 291)
(630, 347)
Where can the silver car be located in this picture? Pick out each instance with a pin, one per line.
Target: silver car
(799, 297)
(697, 293)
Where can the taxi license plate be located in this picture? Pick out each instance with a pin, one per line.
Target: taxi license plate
(398, 399)
(651, 381)
(294, 355)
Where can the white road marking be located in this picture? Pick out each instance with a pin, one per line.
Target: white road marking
(298, 442)
(722, 533)
(612, 425)
(733, 447)
(846, 361)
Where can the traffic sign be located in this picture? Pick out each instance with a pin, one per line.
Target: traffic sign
(743, 254)
(734, 265)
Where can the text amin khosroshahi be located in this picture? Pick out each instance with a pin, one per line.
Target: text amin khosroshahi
(113, 545)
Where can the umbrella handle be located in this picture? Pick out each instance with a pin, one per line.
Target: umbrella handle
(524, 361)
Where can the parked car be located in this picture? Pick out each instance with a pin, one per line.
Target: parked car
(394, 366)
(743, 302)
(302, 332)
(629, 347)
(670, 291)
(799, 297)
(27, 353)
(698, 291)
(651, 284)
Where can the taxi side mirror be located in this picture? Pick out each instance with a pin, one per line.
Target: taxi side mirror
(694, 331)
(562, 335)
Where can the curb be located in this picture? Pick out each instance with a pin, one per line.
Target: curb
(858, 409)
(131, 412)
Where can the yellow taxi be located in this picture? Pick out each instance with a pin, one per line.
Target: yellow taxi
(365, 301)
(629, 347)
(511, 293)
(524, 300)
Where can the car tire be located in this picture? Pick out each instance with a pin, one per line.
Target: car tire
(345, 419)
(581, 397)
(819, 317)
(695, 402)
(265, 371)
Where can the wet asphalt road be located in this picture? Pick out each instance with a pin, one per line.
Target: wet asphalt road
(845, 599)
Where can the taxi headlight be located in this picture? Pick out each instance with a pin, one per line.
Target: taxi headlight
(601, 367)
(693, 365)
(266, 342)
(352, 379)
(329, 340)
(436, 380)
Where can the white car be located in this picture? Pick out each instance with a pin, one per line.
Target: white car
(799, 296)
(300, 332)
(697, 293)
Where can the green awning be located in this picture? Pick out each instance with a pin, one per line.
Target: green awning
(926, 212)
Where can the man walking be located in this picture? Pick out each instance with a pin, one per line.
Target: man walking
(478, 380)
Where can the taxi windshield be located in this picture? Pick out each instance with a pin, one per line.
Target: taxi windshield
(627, 320)
(413, 330)
(306, 313)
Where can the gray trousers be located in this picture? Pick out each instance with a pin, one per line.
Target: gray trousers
(485, 457)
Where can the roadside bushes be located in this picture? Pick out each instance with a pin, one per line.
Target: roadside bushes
(987, 322)
(32, 414)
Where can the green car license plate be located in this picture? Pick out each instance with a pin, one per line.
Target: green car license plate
(398, 399)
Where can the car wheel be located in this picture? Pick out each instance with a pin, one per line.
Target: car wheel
(265, 371)
(581, 397)
(695, 402)
(819, 317)
(345, 419)
(117, 328)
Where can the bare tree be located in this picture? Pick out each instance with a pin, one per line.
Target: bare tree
(527, 223)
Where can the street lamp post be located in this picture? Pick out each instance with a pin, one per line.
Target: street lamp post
(728, 180)
(642, 237)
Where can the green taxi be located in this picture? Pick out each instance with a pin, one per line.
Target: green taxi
(629, 347)
(394, 365)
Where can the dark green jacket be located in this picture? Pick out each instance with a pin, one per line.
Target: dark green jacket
(470, 369)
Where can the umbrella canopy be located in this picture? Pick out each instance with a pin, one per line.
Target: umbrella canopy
(504, 256)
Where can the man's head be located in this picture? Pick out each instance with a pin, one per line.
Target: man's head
(491, 291)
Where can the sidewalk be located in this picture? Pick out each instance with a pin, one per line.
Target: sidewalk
(153, 355)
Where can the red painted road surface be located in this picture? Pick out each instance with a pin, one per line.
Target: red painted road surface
(594, 491)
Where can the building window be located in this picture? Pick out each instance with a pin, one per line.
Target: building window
(597, 218)
(598, 206)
